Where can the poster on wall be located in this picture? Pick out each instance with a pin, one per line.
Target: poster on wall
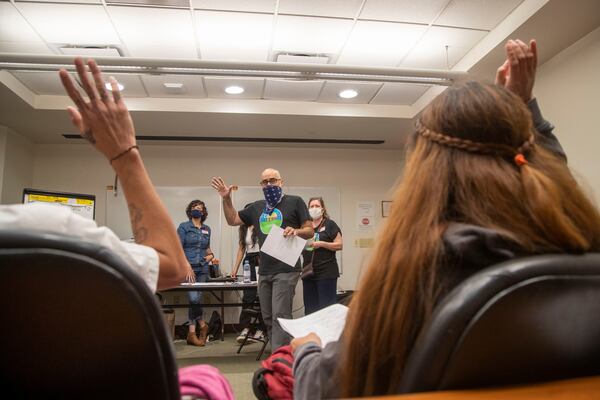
(81, 204)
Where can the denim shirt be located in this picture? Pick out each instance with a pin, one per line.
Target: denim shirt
(195, 241)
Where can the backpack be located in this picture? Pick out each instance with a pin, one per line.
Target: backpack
(275, 379)
(214, 326)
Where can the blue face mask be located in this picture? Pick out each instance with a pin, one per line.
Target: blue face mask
(197, 214)
(273, 196)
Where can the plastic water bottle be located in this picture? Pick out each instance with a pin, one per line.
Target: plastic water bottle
(246, 271)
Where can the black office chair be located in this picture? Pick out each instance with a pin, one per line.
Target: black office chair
(78, 323)
(536, 319)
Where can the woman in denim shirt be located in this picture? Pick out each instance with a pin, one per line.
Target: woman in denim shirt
(195, 239)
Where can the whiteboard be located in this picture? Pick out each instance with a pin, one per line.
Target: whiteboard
(175, 199)
(330, 195)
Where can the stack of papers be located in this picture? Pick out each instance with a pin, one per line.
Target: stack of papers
(328, 323)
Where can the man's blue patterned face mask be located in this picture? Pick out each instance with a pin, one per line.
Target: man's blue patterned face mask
(273, 196)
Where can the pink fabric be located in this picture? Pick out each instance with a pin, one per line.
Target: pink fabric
(204, 381)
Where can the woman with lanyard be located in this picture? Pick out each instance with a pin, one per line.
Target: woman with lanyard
(248, 250)
(320, 283)
(195, 239)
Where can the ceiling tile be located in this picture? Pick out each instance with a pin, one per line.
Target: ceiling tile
(192, 86)
(399, 93)
(48, 83)
(13, 27)
(330, 93)
(422, 12)
(379, 43)
(24, 47)
(430, 52)
(264, 6)
(70, 23)
(279, 89)
(233, 36)
(155, 32)
(323, 8)
(310, 35)
(41, 82)
(476, 14)
(215, 87)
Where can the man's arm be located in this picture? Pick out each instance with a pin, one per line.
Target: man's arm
(231, 215)
(106, 123)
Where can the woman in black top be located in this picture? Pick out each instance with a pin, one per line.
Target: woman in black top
(320, 287)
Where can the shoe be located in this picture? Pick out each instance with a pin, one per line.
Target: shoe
(242, 335)
(203, 335)
(258, 336)
(193, 340)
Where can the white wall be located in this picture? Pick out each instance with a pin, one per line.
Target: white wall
(567, 87)
(361, 175)
(16, 158)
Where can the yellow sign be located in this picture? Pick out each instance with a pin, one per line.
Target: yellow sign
(48, 199)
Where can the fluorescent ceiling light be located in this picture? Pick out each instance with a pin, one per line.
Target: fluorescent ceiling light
(173, 85)
(109, 87)
(234, 90)
(348, 94)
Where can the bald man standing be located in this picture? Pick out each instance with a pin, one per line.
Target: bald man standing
(277, 282)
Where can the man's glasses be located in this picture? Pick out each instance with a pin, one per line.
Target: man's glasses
(270, 181)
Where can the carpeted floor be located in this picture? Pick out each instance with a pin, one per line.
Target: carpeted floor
(238, 368)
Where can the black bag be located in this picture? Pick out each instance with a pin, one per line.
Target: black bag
(307, 269)
(214, 326)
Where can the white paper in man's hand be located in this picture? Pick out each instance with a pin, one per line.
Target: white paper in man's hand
(286, 249)
(328, 323)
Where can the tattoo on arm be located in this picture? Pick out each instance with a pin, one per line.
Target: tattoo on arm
(140, 233)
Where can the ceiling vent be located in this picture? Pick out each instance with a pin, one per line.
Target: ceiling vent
(90, 50)
(302, 58)
(153, 3)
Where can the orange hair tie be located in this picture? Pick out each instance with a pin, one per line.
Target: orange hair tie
(520, 160)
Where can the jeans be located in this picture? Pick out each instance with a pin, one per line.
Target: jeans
(276, 293)
(318, 294)
(249, 296)
(195, 310)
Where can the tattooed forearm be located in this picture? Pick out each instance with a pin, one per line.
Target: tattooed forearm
(140, 233)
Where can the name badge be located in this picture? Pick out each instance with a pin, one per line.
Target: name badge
(322, 229)
(205, 232)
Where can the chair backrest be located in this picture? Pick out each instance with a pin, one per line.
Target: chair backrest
(77, 322)
(534, 319)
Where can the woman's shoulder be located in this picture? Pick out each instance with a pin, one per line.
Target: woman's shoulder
(330, 224)
(184, 224)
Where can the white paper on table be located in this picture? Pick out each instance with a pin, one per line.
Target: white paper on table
(286, 249)
(328, 323)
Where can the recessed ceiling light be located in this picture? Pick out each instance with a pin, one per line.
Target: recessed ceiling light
(234, 90)
(109, 87)
(348, 94)
(174, 85)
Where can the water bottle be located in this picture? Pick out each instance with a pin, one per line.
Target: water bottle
(246, 271)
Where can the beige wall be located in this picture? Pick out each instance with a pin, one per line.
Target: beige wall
(568, 89)
(361, 175)
(16, 158)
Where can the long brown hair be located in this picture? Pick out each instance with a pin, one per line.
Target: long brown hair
(460, 167)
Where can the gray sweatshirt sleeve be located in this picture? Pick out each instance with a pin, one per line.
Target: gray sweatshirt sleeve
(545, 129)
(315, 371)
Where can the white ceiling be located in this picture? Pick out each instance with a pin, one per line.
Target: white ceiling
(430, 34)
(355, 32)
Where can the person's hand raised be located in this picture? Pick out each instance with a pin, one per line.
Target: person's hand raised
(219, 185)
(103, 120)
(517, 74)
